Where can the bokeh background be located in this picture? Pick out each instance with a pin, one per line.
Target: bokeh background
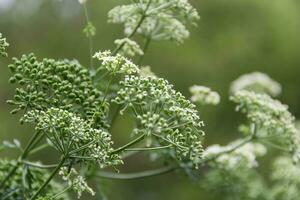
(233, 37)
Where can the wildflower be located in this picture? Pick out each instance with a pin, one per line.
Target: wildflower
(72, 136)
(116, 64)
(271, 118)
(145, 71)
(130, 47)
(204, 95)
(3, 45)
(257, 82)
(170, 118)
(156, 19)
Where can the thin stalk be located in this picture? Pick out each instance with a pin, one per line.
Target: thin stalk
(62, 161)
(86, 14)
(37, 165)
(145, 48)
(39, 148)
(149, 148)
(63, 191)
(22, 156)
(137, 175)
(122, 148)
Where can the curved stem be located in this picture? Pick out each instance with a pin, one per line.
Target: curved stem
(122, 148)
(137, 175)
(62, 161)
(37, 165)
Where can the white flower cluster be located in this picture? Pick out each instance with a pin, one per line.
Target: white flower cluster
(75, 181)
(156, 19)
(3, 45)
(257, 82)
(169, 117)
(74, 137)
(204, 95)
(286, 177)
(270, 117)
(129, 47)
(244, 156)
(116, 64)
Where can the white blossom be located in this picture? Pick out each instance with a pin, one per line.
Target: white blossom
(204, 95)
(130, 47)
(257, 82)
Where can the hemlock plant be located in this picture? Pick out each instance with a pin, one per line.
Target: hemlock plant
(74, 107)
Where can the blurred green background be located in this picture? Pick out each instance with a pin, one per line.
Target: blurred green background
(233, 37)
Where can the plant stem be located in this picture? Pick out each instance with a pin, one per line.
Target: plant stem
(22, 156)
(122, 148)
(149, 148)
(63, 191)
(86, 14)
(145, 48)
(137, 175)
(62, 161)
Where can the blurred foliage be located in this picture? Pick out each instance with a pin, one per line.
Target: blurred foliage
(232, 38)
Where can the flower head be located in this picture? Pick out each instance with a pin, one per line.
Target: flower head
(164, 115)
(71, 135)
(156, 19)
(129, 47)
(257, 82)
(204, 95)
(271, 118)
(116, 64)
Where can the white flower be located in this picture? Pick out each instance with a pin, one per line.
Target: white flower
(257, 82)
(130, 47)
(116, 64)
(3, 45)
(204, 95)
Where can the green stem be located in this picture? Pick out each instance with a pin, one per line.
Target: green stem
(149, 148)
(63, 191)
(22, 156)
(37, 165)
(89, 37)
(122, 148)
(145, 48)
(137, 175)
(62, 161)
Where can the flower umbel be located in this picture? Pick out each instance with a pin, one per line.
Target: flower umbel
(170, 118)
(257, 82)
(203, 95)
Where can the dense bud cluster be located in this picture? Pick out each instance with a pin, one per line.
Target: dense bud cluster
(257, 82)
(75, 181)
(156, 19)
(3, 45)
(64, 84)
(25, 182)
(203, 95)
(74, 137)
(270, 117)
(163, 114)
(116, 64)
(129, 47)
